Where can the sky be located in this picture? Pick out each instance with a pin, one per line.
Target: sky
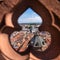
(29, 16)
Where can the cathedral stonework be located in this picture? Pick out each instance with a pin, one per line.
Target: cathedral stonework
(29, 30)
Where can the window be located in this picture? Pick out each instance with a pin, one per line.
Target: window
(30, 21)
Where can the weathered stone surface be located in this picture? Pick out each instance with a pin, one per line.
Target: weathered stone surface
(53, 5)
(6, 6)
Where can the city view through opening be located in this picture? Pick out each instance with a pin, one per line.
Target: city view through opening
(30, 22)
